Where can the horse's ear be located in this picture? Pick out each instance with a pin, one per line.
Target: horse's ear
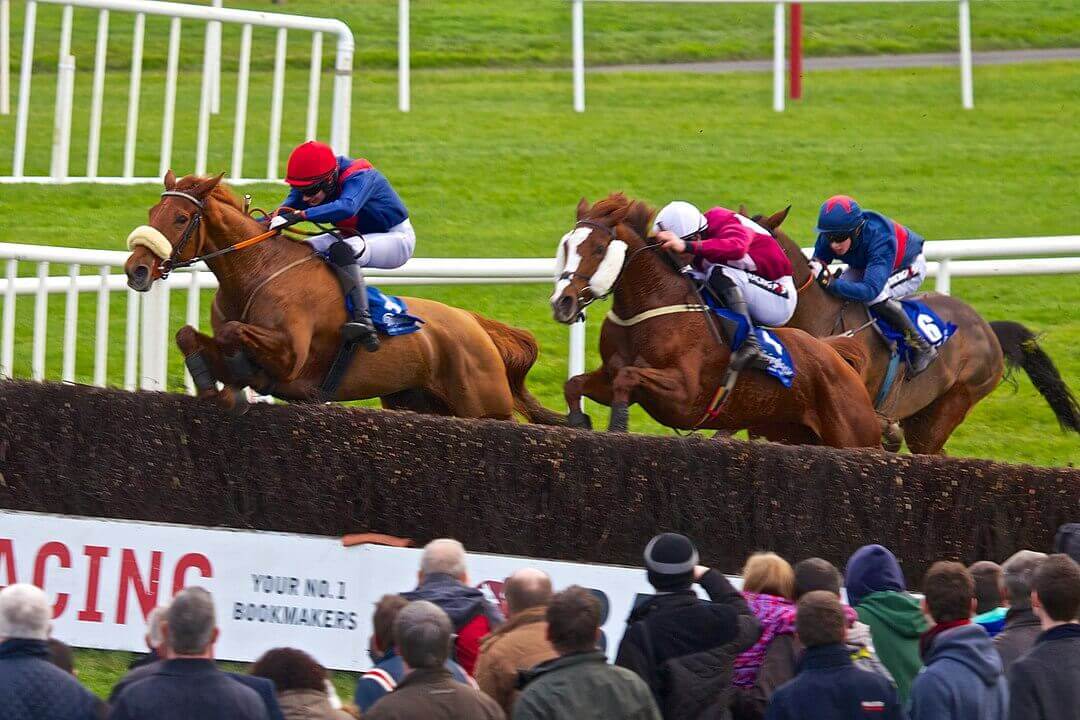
(743, 211)
(582, 207)
(639, 217)
(206, 186)
(170, 180)
(775, 220)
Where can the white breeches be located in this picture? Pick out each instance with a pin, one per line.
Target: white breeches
(771, 302)
(385, 250)
(900, 284)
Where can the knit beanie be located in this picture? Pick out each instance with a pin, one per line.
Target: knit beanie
(669, 562)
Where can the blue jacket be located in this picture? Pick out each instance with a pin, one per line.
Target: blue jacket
(263, 686)
(188, 688)
(874, 252)
(962, 679)
(365, 203)
(32, 688)
(828, 686)
(388, 673)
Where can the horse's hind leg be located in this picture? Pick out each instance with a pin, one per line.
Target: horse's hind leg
(415, 400)
(927, 430)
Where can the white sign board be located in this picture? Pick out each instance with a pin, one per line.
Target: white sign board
(270, 589)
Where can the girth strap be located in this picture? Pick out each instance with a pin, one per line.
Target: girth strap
(655, 312)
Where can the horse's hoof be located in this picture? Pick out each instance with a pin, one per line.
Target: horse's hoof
(892, 437)
(620, 419)
(234, 401)
(578, 419)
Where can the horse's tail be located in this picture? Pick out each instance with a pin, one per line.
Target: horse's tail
(519, 351)
(1021, 349)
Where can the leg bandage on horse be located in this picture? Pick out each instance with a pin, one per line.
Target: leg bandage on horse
(200, 371)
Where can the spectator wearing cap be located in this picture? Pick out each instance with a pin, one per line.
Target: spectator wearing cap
(828, 685)
(769, 589)
(444, 580)
(1067, 540)
(424, 637)
(684, 647)
(303, 689)
(784, 652)
(32, 687)
(962, 679)
(1045, 683)
(390, 668)
(521, 642)
(1022, 625)
(875, 588)
(989, 611)
(579, 684)
(188, 685)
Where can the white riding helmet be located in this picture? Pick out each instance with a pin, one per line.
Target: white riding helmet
(681, 218)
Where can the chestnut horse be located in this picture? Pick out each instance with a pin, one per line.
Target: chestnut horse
(971, 364)
(278, 311)
(670, 362)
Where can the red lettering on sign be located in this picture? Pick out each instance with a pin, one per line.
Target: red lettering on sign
(7, 555)
(90, 613)
(60, 551)
(129, 575)
(191, 560)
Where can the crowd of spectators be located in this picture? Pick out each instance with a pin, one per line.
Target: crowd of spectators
(995, 642)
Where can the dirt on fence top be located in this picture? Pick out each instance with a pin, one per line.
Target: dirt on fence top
(508, 488)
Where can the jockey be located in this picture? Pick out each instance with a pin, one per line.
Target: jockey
(358, 200)
(742, 263)
(885, 262)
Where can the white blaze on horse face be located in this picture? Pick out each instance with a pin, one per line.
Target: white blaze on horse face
(610, 267)
(567, 259)
(151, 239)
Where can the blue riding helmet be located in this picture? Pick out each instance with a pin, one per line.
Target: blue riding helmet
(839, 214)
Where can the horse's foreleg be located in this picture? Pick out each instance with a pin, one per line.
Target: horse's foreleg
(277, 354)
(204, 360)
(594, 385)
(667, 383)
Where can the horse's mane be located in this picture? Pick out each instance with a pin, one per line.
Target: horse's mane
(618, 208)
(221, 192)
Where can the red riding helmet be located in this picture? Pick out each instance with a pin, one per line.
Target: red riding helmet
(310, 163)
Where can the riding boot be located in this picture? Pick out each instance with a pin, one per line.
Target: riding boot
(923, 353)
(359, 328)
(749, 353)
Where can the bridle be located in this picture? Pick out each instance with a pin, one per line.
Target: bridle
(584, 302)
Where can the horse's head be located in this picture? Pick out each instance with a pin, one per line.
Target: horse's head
(591, 257)
(173, 232)
(772, 223)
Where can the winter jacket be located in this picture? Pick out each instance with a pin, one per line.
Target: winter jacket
(896, 622)
(366, 203)
(738, 242)
(518, 644)
(32, 688)
(777, 617)
(1045, 683)
(582, 686)
(432, 694)
(188, 688)
(829, 687)
(881, 247)
(992, 621)
(261, 685)
(962, 679)
(309, 705)
(470, 612)
(684, 647)
(1021, 631)
(388, 674)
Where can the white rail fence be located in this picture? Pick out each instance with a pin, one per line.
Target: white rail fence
(148, 334)
(577, 10)
(212, 18)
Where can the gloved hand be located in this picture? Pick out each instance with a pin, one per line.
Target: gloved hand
(284, 220)
(816, 267)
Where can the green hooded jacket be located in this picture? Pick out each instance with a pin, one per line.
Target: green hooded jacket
(896, 622)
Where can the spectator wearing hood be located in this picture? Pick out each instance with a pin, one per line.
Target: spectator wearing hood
(1067, 541)
(1045, 683)
(876, 589)
(444, 581)
(989, 611)
(1022, 625)
(963, 678)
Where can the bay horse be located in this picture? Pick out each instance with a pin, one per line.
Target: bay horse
(659, 349)
(278, 311)
(970, 365)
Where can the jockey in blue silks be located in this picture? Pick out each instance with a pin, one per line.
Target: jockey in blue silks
(359, 201)
(885, 263)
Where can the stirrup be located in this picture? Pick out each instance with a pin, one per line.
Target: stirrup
(362, 332)
(749, 356)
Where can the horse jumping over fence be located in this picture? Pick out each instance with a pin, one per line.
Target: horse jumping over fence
(660, 352)
(932, 404)
(278, 313)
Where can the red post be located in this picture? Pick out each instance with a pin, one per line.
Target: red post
(795, 63)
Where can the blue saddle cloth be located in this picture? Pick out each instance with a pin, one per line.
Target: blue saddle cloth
(933, 329)
(781, 366)
(389, 313)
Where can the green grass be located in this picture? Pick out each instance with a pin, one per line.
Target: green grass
(491, 164)
(454, 33)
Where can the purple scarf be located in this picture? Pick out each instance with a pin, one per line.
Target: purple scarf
(777, 617)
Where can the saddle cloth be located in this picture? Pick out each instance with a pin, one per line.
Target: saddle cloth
(389, 313)
(780, 366)
(933, 329)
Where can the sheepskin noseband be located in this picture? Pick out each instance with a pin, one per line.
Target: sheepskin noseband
(151, 239)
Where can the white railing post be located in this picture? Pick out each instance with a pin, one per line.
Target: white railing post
(343, 62)
(97, 98)
(133, 96)
(967, 89)
(5, 58)
(403, 55)
(277, 99)
(101, 330)
(943, 281)
(169, 117)
(7, 328)
(778, 58)
(65, 89)
(71, 324)
(131, 339)
(575, 362)
(577, 11)
(192, 319)
(240, 122)
(155, 330)
(206, 92)
(22, 108)
(214, 38)
(311, 131)
(41, 313)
